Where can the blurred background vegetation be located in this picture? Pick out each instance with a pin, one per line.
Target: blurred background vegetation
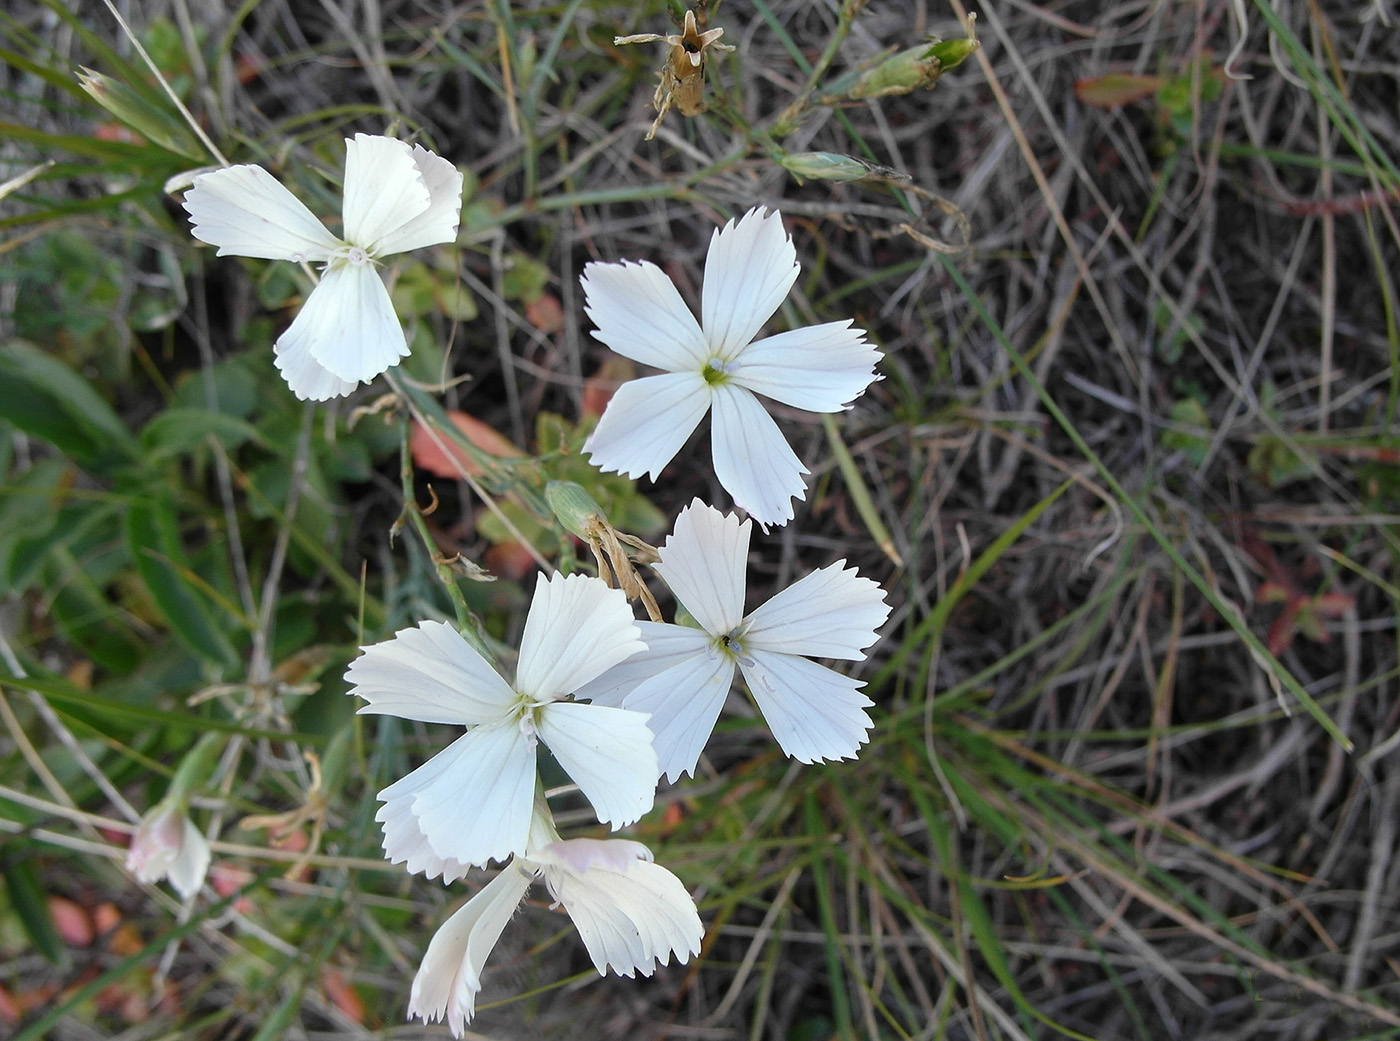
(1130, 481)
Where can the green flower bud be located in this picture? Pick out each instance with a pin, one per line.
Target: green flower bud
(578, 511)
(915, 68)
(824, 166)
(952, 53)
(143, 115)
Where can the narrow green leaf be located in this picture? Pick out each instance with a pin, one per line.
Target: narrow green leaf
(27, 898)
(160, 560)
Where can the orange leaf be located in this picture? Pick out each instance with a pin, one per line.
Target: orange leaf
(545, 314)
(429, 456)
(72, 922)
(341, 994)
(509, 560)
(598, 389)
(1115, 89)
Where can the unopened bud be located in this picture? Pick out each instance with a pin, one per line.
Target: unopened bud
(578, 511)
(143, 115)
(915, 68)
(824, 166)
(952, 53)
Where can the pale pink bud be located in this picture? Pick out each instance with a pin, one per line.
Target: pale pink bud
(167, 845)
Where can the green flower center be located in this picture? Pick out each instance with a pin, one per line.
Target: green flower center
(716, 371)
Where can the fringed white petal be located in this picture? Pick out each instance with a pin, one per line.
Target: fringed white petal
(630, 920)
(667, 645)
(753, 461)
(308, 378)
(429, 673)
(821, 368)
(831, 613)
(640, 315)
(472, 800)
(647, 422)
(384, 190)
(608, 753)
(705, 562)
(749, 269)
(449, 978)
(348, 323)
(683, 704)
(404, 836)
(439, 222)
(576, 630)
(813, 712)
(246, 212)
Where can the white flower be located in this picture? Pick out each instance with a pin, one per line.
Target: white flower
(715, 364)
(472, 801)
(682, 678)
(631, 913)
(397, 199)
(166, 844)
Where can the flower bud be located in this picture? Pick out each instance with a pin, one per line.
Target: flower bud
(824, 166)
(578, 511)
(915, 67)
(166, 844)
(153, 122)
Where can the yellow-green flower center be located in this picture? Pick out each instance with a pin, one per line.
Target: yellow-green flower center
(716, 371)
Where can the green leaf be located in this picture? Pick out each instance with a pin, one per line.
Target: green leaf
(181, 431)
(27, 898)
(45, 398)
(161, 562)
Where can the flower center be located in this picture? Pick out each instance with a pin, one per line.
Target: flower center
(717, 370)
(732, 645)
(526, 718)
(345, 253)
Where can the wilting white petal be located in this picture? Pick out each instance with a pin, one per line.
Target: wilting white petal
(647, 422)
(439, 222)
(188, 869)
(431, 674)
(814, 712)
(308, 378)
(449, 977)
(683, 703)
(166, 844)
(821, 368)
(641, 316)
(667, 645)
(705, 562)
(349, 324)
(586, 854)
(246, 212)
(577, 628)
(749, 269)
(831, 613)
(472, 800)
(753, 461)
(608, 753)
(631, 919)
(384, 190)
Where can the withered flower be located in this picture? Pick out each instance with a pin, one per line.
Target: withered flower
(683, 76)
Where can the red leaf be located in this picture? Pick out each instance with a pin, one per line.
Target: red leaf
(1116, 89)
(429, 456)
(598, 389)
